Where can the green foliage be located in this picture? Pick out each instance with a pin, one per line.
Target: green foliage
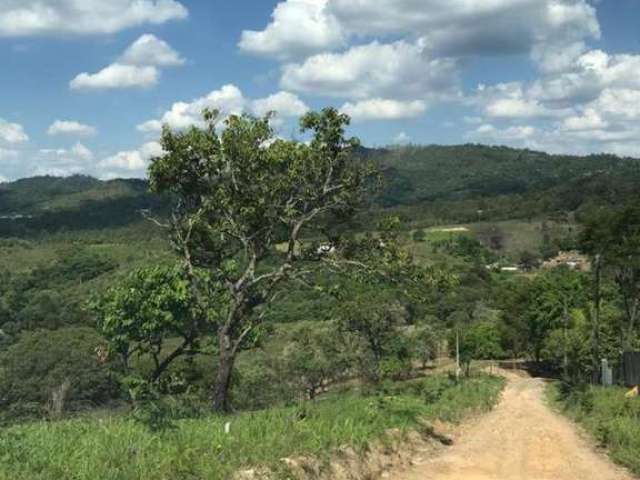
(40, 362)
(238, 194)
(419, 236)
(375, 320)
(316, 358)
(201, 448)
(537, 307)
(479, 341)
(610, 417)
(613, 237)
(148, 310)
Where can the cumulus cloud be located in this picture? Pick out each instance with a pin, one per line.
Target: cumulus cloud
(150, 50)
(398, 70)
(384, 109)
(490, 132)
(12, 132)
(61, 162)
(131, 160)
(284, 104)
(448, 27)
(117, 75)
(510, 100)
(592, 105)
(22, 18)
(298, 28)
(137, 67)
(228, 100)
(71, 127)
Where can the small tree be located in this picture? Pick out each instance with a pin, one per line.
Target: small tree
(480, 341)
(148, 311)
(425, 344)
(315, 359)
(528, 261)
(238, 195)
(612, 238)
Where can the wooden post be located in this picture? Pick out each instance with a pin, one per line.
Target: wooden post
(457, 354)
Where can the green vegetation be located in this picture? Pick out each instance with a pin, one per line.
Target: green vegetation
(612, 419)
(199, 448)
(255, 278)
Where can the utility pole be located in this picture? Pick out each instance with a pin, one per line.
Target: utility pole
(595, 320)
(457, 354)
(565, 361)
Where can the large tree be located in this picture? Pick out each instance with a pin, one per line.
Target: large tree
(612, 238)
(244, 201)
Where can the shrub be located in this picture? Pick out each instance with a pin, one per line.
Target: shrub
(35, 368)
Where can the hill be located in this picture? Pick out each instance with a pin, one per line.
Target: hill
(450, 183)
(420, 174)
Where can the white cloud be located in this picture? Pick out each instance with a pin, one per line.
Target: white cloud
(137, 67)
(150, 126)
(589, 120)
(82, 152)
(21, 18)
(298, 28)
(402, 139)
(511, 100)
(284, 104)
(12, 132)
(592, 105)
(132, 160)
(117, 76)
(61, 162)
(3, 179)
(228, 100)
(395, 70)
(384, 109)
(70, 127)
(490, 132)
(150, 50)
(448, 27)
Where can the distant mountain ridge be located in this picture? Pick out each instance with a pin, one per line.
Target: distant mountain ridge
(37, 194)
(414, 176)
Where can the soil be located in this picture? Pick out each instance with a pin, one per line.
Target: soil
(521, 439)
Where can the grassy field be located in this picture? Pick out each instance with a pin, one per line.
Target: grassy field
(612, 419)
(121, 449)
(517, 236)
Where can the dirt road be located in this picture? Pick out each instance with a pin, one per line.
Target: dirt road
(522, 439)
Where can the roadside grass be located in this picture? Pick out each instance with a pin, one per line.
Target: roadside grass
(117, 448)
(612, 419)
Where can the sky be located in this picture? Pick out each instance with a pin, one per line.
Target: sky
(86, 85)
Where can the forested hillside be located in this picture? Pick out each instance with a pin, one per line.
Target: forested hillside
(96, 312)
(454, 182)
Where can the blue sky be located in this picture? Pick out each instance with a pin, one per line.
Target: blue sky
(86, 84)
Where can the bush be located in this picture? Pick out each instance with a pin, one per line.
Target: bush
(608, 415)
(61, 366)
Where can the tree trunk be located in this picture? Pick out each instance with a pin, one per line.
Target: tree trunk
(595, 322)
(223, 377)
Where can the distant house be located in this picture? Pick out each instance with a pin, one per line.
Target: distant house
(572, 259)
(496, 267)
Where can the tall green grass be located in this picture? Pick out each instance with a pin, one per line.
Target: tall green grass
(120, 449)
(612, 419)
